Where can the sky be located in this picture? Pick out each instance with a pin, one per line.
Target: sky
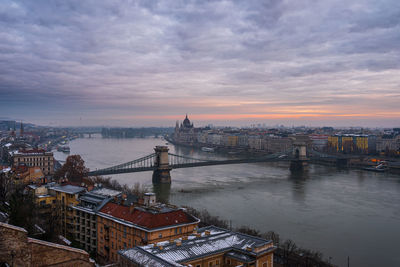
(148, 63)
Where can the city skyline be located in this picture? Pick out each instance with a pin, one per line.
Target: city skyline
(323, 63)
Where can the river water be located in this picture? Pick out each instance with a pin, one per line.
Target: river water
(342, 213)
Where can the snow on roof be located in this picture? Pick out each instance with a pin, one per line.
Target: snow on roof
(40, 229)
(106, 192)
(216, 241)
(70, 189)
(6, 169)
(143, 258)
(66, 241)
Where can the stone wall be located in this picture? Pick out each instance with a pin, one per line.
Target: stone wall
(17, 249)
(14, 248)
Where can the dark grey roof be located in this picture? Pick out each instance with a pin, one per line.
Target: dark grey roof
(93, 201)
(240, 256)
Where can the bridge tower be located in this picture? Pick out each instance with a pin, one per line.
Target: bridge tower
(162, 173)
(300, 161)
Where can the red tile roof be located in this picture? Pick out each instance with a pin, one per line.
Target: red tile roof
(148, 219)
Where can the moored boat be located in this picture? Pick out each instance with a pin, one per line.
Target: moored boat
(207, 149)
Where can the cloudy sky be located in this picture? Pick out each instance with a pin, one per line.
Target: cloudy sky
(292, 62)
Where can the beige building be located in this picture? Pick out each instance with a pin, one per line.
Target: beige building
(35, 158)
(66, 197)
(210, 246)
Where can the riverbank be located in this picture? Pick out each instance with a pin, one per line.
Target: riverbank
(363, 162)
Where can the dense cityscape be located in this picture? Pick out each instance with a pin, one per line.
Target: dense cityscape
(112, 223)
(199, 133)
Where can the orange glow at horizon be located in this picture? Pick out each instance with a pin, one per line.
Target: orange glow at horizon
(217, 117)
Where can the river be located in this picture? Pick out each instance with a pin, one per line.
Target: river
(342, 213)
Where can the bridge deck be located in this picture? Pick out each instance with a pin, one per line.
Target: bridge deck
(187, 165)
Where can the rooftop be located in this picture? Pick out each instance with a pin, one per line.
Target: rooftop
(69, 189)
(148, 218)
(212, 240)
(106, 192)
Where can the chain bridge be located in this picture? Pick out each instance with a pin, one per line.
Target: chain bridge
(161, 162)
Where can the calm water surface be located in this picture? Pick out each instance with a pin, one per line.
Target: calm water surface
(338, 212)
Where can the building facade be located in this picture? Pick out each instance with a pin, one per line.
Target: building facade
(210, 246)
(121, 227)
(185, 132)
(85, 216)
(66, 196)
(35, 158)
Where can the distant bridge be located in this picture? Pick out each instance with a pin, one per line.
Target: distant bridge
(161, 162)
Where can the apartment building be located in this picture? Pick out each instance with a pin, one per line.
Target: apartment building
(66, 196)
(122, 227)
(34, 158)
(210, 246)
(85, 216)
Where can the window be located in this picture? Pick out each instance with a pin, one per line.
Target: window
(160, 235)
(217, 262)
(124, 245)
(112, 245)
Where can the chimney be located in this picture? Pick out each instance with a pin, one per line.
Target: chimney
(185, 238)
(249, 249)
(149, 199)
(160, 247)
(178, 243)
(207, 232)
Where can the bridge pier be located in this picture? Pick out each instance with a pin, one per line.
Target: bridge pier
(300, 161)
(161, 175)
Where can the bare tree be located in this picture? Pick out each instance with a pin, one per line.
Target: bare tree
(288, 249)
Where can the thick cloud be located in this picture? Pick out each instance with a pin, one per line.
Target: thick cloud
(128, 61)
